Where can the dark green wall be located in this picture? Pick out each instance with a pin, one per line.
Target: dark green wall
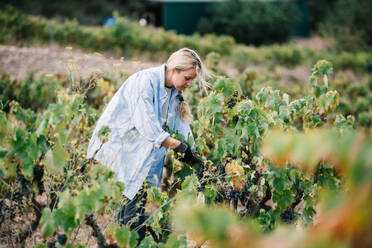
(182, 17)
(303, 28)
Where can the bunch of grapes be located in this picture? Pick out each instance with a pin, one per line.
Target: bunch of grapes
(232, 102)
(228, 192)
(61, 239)
(221, 172)
(200, 175)
(288, 216)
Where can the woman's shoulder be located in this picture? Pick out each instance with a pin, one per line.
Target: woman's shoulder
(153, 71)
(142, 79)
(153, 74)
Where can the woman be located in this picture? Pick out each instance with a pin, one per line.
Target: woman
(137, 144)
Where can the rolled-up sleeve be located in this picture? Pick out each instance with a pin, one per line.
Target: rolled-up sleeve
(145, 120)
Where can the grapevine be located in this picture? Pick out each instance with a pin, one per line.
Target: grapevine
(43, 156)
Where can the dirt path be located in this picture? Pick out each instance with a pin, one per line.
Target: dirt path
(19, 62)
(53, 59)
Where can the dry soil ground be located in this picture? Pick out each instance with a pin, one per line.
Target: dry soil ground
(19, 62)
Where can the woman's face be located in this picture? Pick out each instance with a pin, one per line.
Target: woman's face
(183, 79)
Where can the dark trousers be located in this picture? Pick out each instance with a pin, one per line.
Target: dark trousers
(132, 214)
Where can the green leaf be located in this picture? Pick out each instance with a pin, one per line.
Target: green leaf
(87, 201)
(278, 184)
(148, 242)
(244, 108)
(175, 241)
(186, 170)
(189, 184)
(3, 153)
(313, 80)
(308, 213)
(56, 158)
(283, 198)
(211, 105)
(154, 195)
(226, 86)
(103, 133)
(125, 237)
(253, 130)
(64, 217)
(210, 194)
(47, 223)
(220, 151)
(322, 67)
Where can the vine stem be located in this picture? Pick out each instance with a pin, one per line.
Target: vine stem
(2, 180)
(11, 206)
(34, 224)
(147, 220)
(90, 221)
(76, 233)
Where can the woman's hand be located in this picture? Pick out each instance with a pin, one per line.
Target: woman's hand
(171, 143)
(180, 147)
(188, 156)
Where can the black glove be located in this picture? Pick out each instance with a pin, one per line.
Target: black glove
(181, 148)
(188, 156)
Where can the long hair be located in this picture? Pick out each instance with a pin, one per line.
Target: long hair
(185, 59)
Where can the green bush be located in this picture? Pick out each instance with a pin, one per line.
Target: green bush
(252, 22)
(283, 55)
(86, 12)
(356, 100)
(318, 11)
(351, 24)
(15, 26)
(30, 93)
(125, 37)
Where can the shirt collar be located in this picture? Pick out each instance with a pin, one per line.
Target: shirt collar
(163, 93)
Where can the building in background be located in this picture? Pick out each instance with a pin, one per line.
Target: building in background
(183, 15)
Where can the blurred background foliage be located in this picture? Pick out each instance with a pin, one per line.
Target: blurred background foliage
(252, 22)
(249, 22)
(128, 39)
(86, 12)
(350, 23)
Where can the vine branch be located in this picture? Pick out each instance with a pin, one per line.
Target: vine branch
(102, 243)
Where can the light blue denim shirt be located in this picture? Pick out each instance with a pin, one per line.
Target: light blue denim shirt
(133, 150)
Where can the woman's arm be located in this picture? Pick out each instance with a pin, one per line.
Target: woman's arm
(171, 142)
(143, 115)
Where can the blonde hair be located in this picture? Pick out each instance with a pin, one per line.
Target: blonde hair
(185, 59)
